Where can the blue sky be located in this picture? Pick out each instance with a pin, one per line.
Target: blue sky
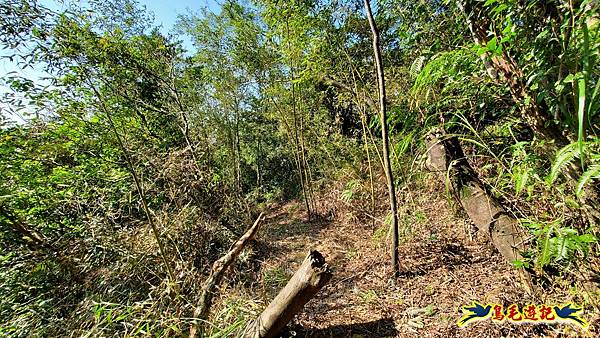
(165, 15)
(166, 11)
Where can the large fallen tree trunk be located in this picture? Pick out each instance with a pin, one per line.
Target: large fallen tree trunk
(446, 156)
(216, 275)
(312, 275)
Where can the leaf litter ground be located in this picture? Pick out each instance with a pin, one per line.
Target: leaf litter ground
(444, 265)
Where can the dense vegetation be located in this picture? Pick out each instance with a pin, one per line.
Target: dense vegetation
(139, 162)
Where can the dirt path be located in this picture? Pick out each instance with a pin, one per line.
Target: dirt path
(442, 269)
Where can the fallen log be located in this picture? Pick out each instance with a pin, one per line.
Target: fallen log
(446, 157)
(216, 275)
(312, 275)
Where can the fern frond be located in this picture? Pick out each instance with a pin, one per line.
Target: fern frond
(564, 156)
(593, 172)
(417, 66)
(448, 65)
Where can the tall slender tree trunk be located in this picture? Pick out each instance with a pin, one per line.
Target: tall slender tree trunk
(299, 151)
(238, 169)
(258, 172)
(292, 139)
(232, 170)
(185, 130)
(365, 137)
(307, 171)
(299, 155)
(366, 143)
(138, 187)
(384, 135)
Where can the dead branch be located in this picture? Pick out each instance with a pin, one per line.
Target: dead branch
(216, 275)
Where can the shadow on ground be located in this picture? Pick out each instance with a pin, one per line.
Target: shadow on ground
(283, 226)
(421, 258)
(376, 329)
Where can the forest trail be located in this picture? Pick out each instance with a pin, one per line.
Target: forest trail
(442, 267)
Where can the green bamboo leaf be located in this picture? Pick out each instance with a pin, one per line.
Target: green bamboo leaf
(587, 238)
(492, 45)
(569, 78)
(581, 119)
(545, 254)
(470, 140)
(521, 179)
(500, 8)
(581, 92)
(593, 102)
